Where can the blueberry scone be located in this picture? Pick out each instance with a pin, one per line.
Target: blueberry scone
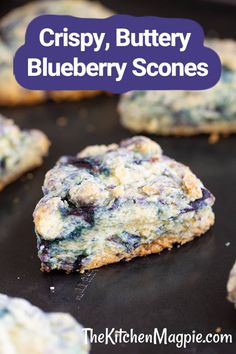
(187, 112)
(20, 150)
(25, 329)
(231, 285)
(117, 202)
(12, 33)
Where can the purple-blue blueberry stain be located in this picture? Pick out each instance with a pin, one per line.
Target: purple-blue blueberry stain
(86, 212)
(3, 312)
(198, 203)
(2, 164)
(138, 162)
(44, 247)
(226, 74)
(93, 165)
(127, 240)
(81, 163)
(116, 204)
(183, 116)
(78, 262)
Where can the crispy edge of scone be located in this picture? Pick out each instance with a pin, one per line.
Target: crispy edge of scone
(19, 96)
(59, 96)
(161, 243)
(185, 130)
(31, 160)
(11, 98)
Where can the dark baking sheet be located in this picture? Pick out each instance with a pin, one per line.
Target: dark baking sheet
(182, 290)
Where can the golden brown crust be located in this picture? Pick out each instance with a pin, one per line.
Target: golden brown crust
(141, 251)
(72, 95)
(184, 130)
(27, 97)
(12, 97)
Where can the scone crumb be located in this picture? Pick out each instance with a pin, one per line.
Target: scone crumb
(213, 138)
(218, 330)
(30, 176)
(90, 128)
(16, 200)
(62, 122)
(83, 113)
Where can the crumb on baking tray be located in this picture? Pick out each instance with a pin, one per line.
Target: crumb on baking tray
(213, 138)
(62, 122)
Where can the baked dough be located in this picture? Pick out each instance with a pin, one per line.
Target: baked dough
(20, 150)
(117, 202)
(25, 329)
(187, 112)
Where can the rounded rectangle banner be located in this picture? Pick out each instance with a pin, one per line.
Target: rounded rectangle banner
(117, 54)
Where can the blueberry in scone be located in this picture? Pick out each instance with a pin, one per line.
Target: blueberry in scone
(20, 150)
(12, 35)
(25, 329)
(117, 202)
(231, 285)
(187, 112)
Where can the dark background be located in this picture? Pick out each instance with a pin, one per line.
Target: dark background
(184, 289)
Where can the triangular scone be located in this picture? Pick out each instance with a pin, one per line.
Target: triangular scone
(20, 150)
(25, 329)
(180, 112)
(231, 285)
(117, 202)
